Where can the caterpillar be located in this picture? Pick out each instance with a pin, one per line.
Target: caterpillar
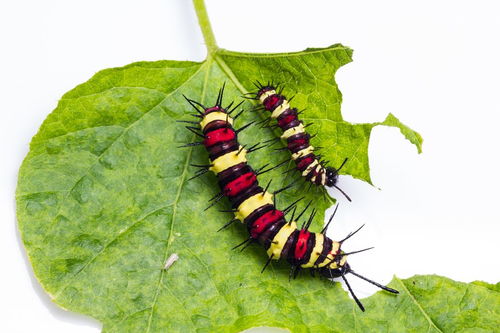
(307, 162)
(255, 207)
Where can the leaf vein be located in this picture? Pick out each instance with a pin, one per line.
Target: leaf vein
(414, 300)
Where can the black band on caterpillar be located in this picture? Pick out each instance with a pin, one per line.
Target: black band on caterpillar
(253, 205)
(307, 163)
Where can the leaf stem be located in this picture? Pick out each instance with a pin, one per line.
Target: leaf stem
(206, 28)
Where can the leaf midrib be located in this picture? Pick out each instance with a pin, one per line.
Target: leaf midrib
(174, 212)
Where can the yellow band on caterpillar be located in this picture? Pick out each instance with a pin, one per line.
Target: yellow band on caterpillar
(292, 131)
(328, 261)
(323, 178)
(215, 116)
(316, 251)
(334, 264)
(280, 239)
(343, 261)
(280, 109)
(310, 168)
(302, 152)
(251, 204)
(228, 160)
(266, 95)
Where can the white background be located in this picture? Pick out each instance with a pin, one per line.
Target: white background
(434, 64)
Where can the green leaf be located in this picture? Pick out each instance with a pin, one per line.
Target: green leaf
(103, 200)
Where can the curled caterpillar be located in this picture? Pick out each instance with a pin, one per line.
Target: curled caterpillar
(254, 206)
(307, 163)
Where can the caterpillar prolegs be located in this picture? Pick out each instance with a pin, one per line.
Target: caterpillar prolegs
(310, 165)
(254, 206)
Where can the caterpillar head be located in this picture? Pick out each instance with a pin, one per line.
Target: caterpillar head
(338, 267)
(341, 269)
(332, 176)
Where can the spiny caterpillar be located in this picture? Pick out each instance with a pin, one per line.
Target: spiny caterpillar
(307, 163)
(254, 206)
